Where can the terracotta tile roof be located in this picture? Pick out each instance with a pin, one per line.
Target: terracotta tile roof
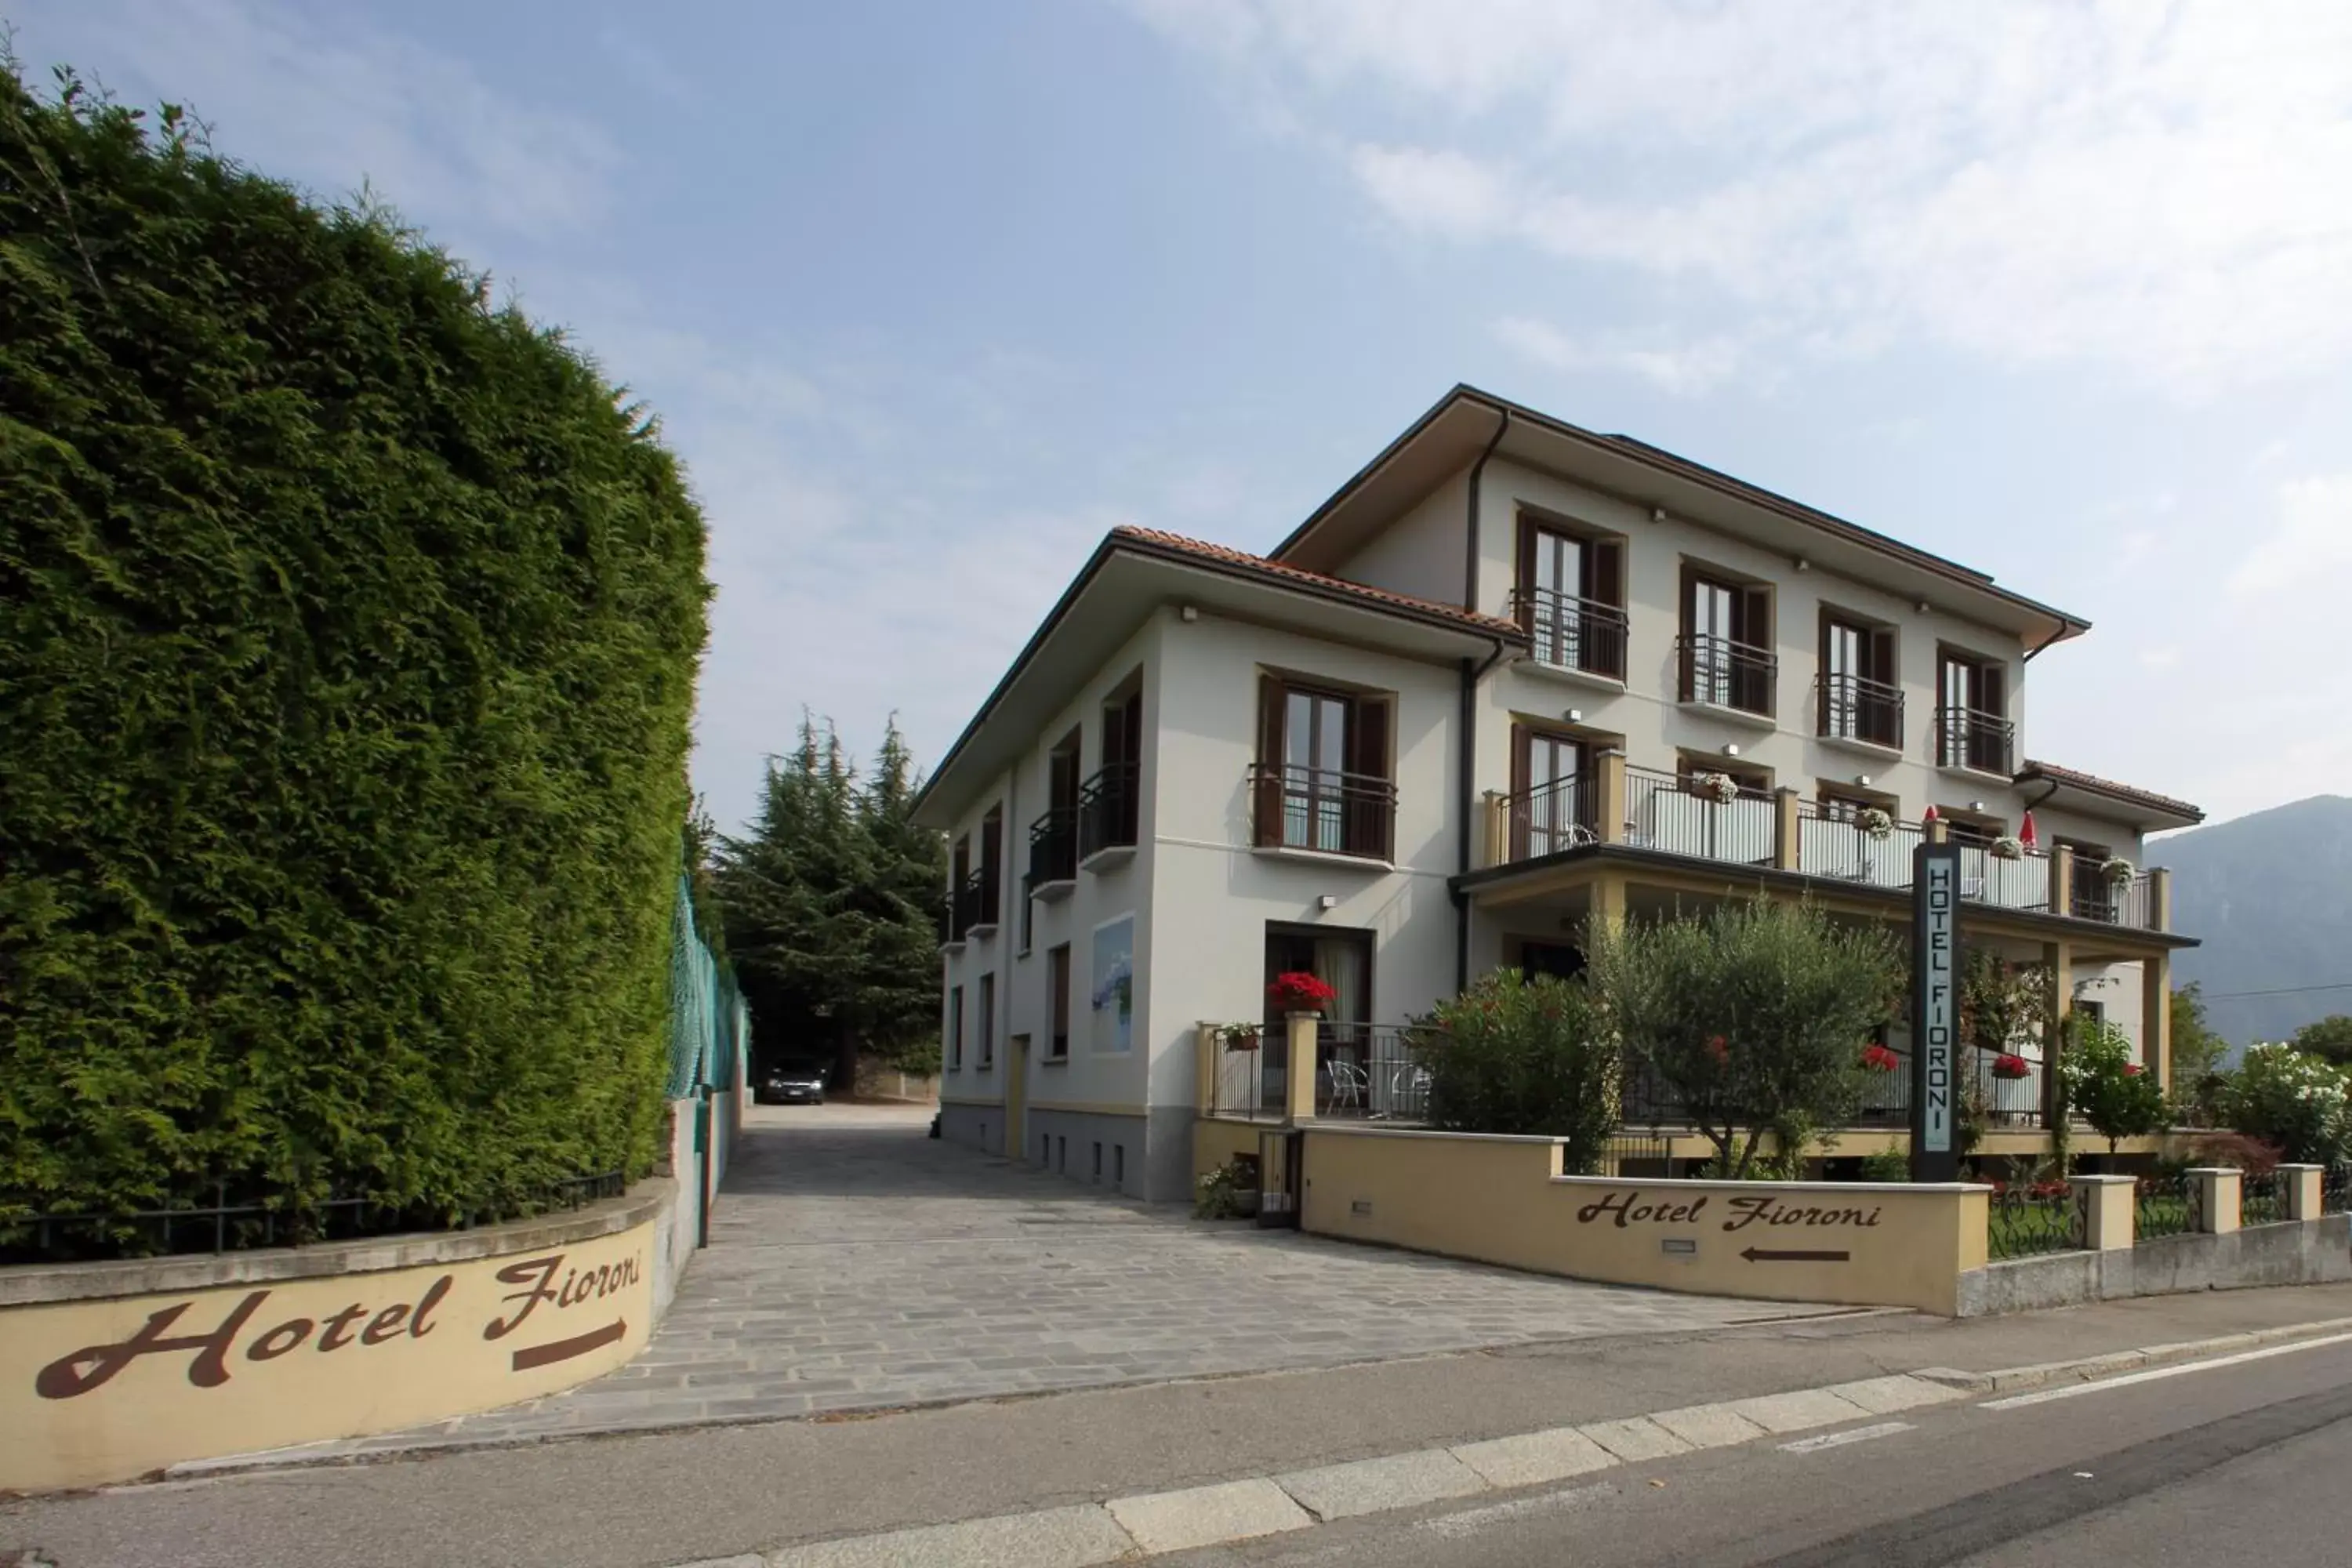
(1259, 565)
(2149, 798)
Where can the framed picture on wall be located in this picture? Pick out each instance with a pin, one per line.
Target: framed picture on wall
(1113, 994)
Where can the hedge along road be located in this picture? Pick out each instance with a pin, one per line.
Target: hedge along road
(855, 1264)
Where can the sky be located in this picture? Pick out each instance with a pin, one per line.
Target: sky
(927, 297)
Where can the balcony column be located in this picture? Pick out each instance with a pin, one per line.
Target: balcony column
(2058, 958)
(2156, 1017)
(1786, 821)
(2160, 898)
(1935, 832)
(1205, 1045)
(1498, 829)
(1299, 1082)
(2061, 880)
(1609, 803)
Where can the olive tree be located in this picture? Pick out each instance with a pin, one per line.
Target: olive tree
(1752, 1016)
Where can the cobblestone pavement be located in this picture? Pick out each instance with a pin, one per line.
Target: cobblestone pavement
(853, 1263)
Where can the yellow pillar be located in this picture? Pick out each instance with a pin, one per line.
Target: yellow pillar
(2058, 958)
(1498, 829)
(1785, 820)
(1299, 1083)
(2109, 1216)
(2218, 1191)
(1608, 900)
(1205, 1046)
(1609, 809)
(2155, 1017)
(1937, 832)
(2062, 880)
(2160, 898)
(2300, 1186)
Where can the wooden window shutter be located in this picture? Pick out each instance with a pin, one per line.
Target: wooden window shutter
(1265, 811)
(1369, 822)
(1526, 571)
(1605, 572)
(1989, 697)
(1520, 741)
(1754, 625)
(1881, 648)
(1367, 738)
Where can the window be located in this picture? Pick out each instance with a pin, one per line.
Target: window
(1839, 804)
(1062, 1156)
(1859, 697)
(1551, 802)
(1572, 598)
(1098, 1161)
(955, 1028)
(1972, 729)
(2094, 898)
(1972, 828)
(1321, 779)
(1752, 781)
(988, 904)
(1054, 837)
(962, 890)
(1058, 994)
(1109, 814)
(1118, 1165)
(1725, 653)
(987, 1022)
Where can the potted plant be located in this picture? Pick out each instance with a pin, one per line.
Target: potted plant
(1720, 788)
(1299, 992)
(1875, 822)
(2116, 869)
(2007, 848)
(1239, 1037)
(1879, 1059)
(2011, 1066)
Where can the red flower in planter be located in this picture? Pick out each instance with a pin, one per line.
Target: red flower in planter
(2131, 1070)
(2007, 1066)
(1878, 1058)
(1719, 1048)
(1299, 992)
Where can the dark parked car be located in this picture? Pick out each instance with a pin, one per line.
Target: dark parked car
(789, 1086)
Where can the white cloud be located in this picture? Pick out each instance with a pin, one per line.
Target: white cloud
(1684, 369)
(2309, 555)
(2157, 188)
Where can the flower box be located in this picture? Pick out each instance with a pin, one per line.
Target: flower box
(1298, 992)
(2011, 1067)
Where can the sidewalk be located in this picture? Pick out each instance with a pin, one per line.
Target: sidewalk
(636, 1501)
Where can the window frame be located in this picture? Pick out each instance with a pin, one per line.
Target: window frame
(1058, 1009)
(985, 999)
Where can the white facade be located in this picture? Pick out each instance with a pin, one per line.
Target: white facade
(1198, 630)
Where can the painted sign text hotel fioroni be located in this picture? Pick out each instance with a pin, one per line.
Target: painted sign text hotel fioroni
(163, 1377)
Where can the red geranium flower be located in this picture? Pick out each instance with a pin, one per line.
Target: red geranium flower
(1878, 1058)
(1719, 1048)
(1299, 992)
(2007, 1066)
(2131, 1070)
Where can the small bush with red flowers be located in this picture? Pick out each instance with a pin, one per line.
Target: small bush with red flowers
(1299, 992)
(1528, 1055)
(2114, 1096)
(1879, 1059)
(2009, 1065)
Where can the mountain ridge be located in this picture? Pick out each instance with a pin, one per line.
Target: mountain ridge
(2269, 895)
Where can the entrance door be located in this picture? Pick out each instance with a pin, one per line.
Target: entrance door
(1016, 1096)
(1548, 808)
(1557, 959)
(1341, 960)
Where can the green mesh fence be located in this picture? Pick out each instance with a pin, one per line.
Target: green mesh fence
(708, 1020)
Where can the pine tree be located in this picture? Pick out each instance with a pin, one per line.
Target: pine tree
(902, 993)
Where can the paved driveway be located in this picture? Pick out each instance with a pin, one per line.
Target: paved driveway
(854, 1263)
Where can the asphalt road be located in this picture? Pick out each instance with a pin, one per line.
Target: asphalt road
(2240, 1463)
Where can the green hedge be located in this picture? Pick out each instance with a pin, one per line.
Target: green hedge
(348, 635)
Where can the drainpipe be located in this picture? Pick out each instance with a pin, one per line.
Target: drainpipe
(1471, 674)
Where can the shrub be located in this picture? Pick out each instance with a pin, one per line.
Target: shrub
(2293, 1101)
(2116, 1097)
(2251, 1156)
(1515, 1055)
(1753, 1014)
(348, 631)
(1886, 1165)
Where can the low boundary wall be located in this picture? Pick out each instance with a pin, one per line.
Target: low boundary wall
(1504, 1200)
(111, 1370)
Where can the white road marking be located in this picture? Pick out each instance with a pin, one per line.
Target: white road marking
(1840, 1439)
(1471, 1521)
(2043, 1396)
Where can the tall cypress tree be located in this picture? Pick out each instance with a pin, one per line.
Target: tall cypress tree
(901, 1001)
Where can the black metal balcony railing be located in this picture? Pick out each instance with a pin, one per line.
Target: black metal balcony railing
(1054, 847)
(1725, 673)
(951, 930)
(1318, 808)
(1550, 817)
(1370, 1071)
(1570, 633)
(1109, 809)
(972, 904)
(1854, 708)
(1968, 738)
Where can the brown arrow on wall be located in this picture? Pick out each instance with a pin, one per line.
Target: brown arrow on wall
(564, 1349)
(1763, 1255)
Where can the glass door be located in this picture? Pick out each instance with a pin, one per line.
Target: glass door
(1549, 814)
(1558, 624)
(1713, 611)
(1314, 758)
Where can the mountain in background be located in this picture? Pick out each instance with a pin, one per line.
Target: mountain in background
(2270, 896)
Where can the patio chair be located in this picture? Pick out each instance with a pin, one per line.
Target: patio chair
(1349, 1084)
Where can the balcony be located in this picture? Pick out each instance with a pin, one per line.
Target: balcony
(1717, 672)
(1546, 819)
(1109, 812)
(1573, 636)
(1975, 741)
(1862, 711)
(1053, 853)
(1686, 817)
(1320, 811)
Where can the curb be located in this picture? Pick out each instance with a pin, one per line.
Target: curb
(2083, 1369)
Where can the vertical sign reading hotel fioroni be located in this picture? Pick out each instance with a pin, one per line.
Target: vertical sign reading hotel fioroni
(99, 1390)
(1935, 1011)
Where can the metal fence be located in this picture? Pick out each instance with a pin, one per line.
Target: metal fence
(2025, 1222)
(2262, 1200)
(2336, 1189)
(1370, 1070)
(2164, 1205)
(1681, 817)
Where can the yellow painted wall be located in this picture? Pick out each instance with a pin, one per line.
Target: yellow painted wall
(100, 1390)
(1501, 1200)
(1216, 1141)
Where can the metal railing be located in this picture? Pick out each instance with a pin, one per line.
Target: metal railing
(1109, 808)
(1294, 807)
(1833, 843)
(1369, 1070)
(1968, 738)
(2028, 1221)
(2011, 882)
(277, 1217)
(1854, 708)
(1247, 1080)
(1570, 633)
(1680, 816)
(2261, 1199)
(1054, 847)
(2163, 1206)
(1550, 817)
(2009, 1101)
(1725, 673)
(2336, 1189)
(1886, 1093)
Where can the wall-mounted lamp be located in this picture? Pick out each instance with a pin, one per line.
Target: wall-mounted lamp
(1976, 806)
(1189, 612)
(1921, 606)
(1731, 749)
(1862, 779)
(1803, 564)
(1657, 514)
(1328, 901)
(1576, 715)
